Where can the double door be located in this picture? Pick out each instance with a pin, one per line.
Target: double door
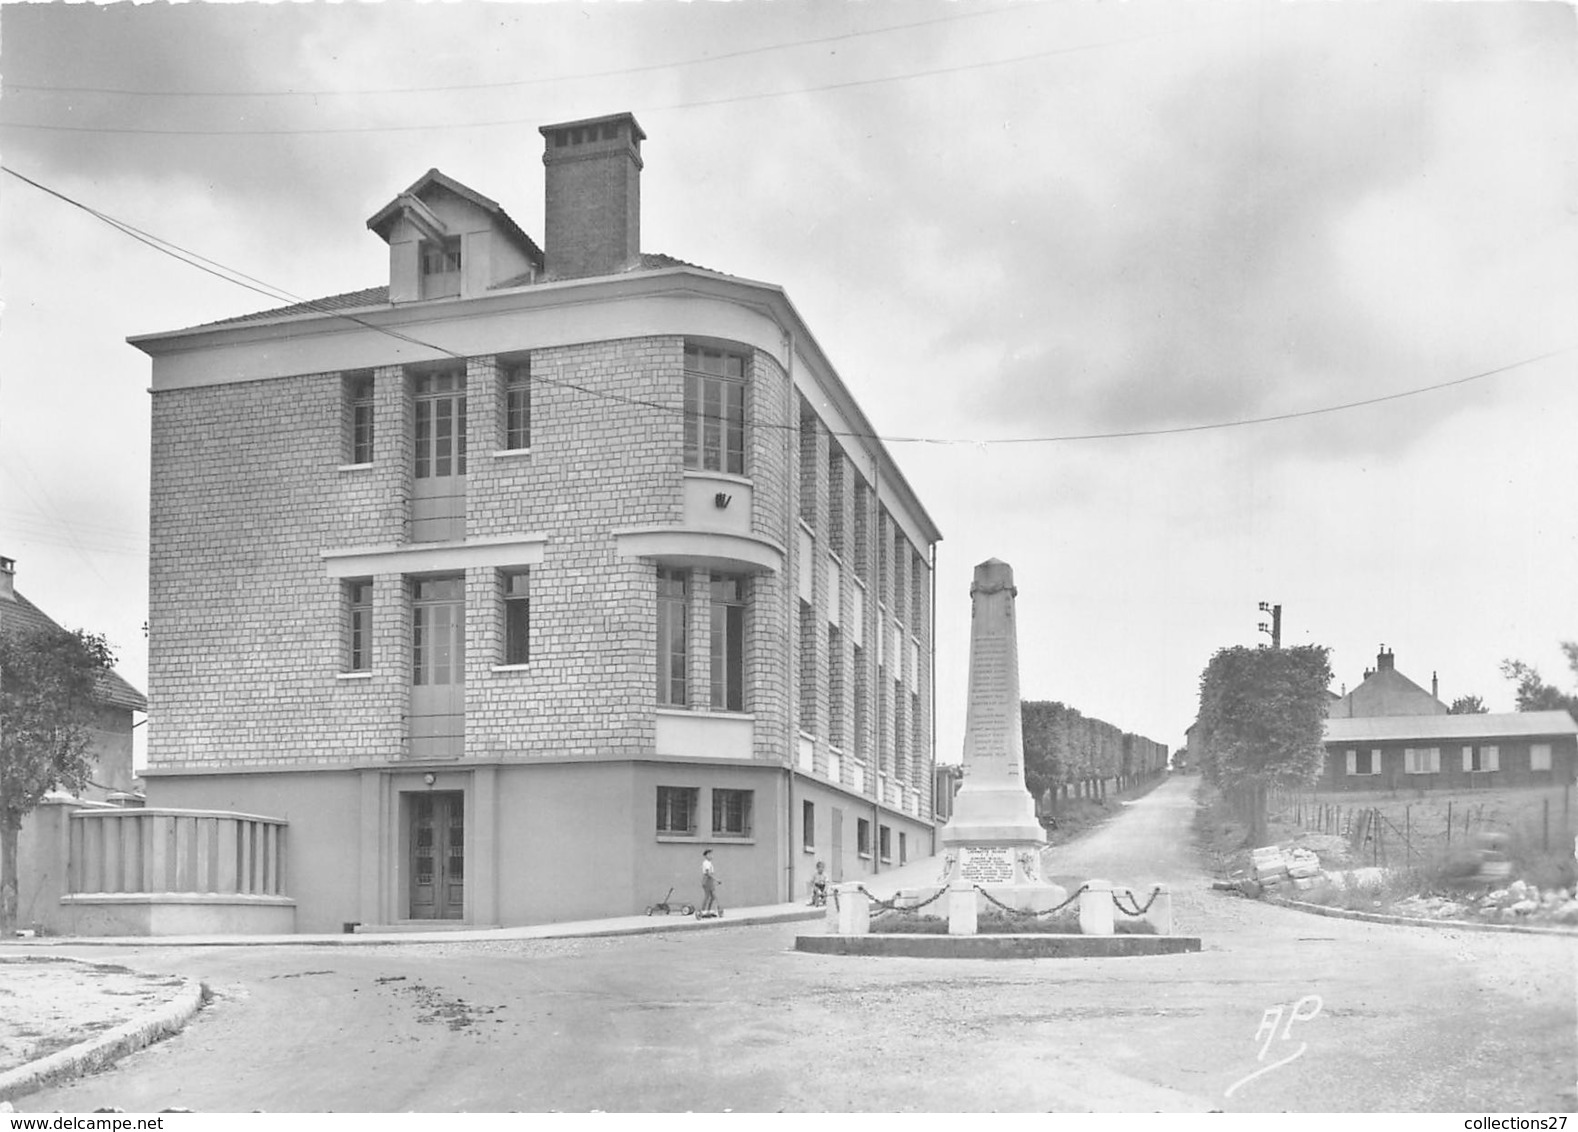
(438, 855)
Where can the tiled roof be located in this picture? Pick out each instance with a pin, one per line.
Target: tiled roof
(1503, 725)
(349, 301)
(112, 691)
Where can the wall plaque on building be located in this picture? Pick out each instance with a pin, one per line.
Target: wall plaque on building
(981, 864)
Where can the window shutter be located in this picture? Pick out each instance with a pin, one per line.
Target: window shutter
(1492, 758)
(1435, 760)
(1353, 762)
(1468, 758)
(1375, 760)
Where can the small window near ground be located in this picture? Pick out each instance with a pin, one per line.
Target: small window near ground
(517, 616)
(884, 848)
(731, 813)
(808, 824)
(863, 837)
(904, 850)
(676, 810)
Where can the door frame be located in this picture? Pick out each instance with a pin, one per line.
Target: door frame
(385, 849)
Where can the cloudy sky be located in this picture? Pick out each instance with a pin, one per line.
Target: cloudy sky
(1013, 227)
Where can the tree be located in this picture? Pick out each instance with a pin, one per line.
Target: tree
(1534, 694)
(1467, 705)
(1262, 718)
(47, 710)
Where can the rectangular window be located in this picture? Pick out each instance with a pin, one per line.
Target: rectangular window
(808, 447)
(1364, 762)
(1482, 758)
(808, 825)
(439, 414)
(728, 643)
(1421, 760)
(904, 852)
(1539, 756)
(900, 732)
(835, 499)
(884, 849)
(731, 813)
(440, 268)
(714, 410)
(835, 686)
(676, 810)
(863, 837)
(359, 418)
(438, 631)
(862, 531)
(918, 743)
(858, 674)
(359, 625)
(517, 407)
(920, 596)
(807, 668)
(883, 583)
(673, 587)
(517, 616)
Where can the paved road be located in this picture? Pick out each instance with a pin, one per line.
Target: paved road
(1409, 1019)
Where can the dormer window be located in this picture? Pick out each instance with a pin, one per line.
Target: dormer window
(440, 269)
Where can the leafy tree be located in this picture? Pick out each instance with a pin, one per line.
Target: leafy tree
(1534, 694)
(47, 712)
(1467, 705)
(1262, 718)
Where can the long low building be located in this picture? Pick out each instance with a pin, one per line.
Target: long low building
(1434, 752)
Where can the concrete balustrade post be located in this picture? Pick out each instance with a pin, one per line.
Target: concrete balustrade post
(1160, 914)
(961, 908)
(1095, 908)
(853, 910)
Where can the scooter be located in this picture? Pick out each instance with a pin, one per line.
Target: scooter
(667, 909)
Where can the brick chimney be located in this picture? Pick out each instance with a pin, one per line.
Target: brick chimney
(592, 215)
(1384, 660)
(1435, 686)
(7, 579)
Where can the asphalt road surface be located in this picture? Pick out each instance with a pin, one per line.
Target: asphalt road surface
(1281, 1011)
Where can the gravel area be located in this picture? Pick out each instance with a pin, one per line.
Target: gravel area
(48, 1003)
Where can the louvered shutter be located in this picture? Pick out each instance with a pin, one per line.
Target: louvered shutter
(1468, 758)
(1492, 758)
(1353, 762)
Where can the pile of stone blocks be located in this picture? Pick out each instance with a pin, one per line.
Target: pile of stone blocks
(1274, 867)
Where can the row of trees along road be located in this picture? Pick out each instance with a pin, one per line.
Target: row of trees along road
(48, 680)
(1262, 718)
(1066, 751)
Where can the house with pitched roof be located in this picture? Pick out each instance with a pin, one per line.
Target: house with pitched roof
(499, 591)
(1389, 734)
(43, 850)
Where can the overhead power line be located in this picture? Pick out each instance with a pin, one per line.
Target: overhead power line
(691, 104)
(231, 275)
(616, 72)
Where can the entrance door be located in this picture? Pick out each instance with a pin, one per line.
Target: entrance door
(438, 668)
(438, 496)
(438, 855)
(838, 845)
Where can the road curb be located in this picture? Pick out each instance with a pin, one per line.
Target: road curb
(96, 1052)
(395, 939)
(1411, 921)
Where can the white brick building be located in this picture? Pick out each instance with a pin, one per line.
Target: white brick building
(516, 583)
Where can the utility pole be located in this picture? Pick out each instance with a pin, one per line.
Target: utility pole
(1275, 628)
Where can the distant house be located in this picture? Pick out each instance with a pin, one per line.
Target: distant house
(1386, 691)
(1385, 752)
(112, 778)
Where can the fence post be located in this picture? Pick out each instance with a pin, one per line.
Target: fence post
(1545, 838)
(1408, 836)
(1449, 823)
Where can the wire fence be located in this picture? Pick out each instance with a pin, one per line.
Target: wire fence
(1422, 829)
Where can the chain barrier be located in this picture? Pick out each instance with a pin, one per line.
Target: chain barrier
(1026, 911)
(879, 907)
(1138, 910)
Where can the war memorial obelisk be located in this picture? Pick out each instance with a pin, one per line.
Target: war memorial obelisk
(993, 839)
